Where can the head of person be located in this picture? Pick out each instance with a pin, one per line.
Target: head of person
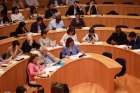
(29, 37)
(50, 5)
(118, 29)
(39, 20)
(21, 25)
(33, 10)
(77, 15)
(34, 58)
(21, 89)
(15, 44)
(44, 34)
(76, 3)
(132, 36)
(71, 30)
(92, 30)
(15, 10)
(69, 42)
(58, 18)
(44, 50)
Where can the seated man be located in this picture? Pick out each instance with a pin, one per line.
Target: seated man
(77, 22)
(134, 40)
(56, 23)
(48, 58)
(118, 37)
(38, 26)
(75, 8)
(90, 8)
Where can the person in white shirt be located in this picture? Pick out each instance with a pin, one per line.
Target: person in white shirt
(91, 37)
(56, 23)
(32, 3)
(44, 40)
(16, 16)
(70, 34)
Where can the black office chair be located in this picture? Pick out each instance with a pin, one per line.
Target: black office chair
(34, 85)
(129, 3)
(122, 62)
(59, 88)
(122, 26)
(137, 28)
(107, 54)
(112, 13)
(108, 2)
(98, 25)
(133, 14)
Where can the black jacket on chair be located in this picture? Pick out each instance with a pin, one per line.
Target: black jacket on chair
(34, 27)
(50, 12)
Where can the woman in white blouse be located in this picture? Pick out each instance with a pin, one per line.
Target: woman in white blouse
(91, 37)
(70, 34)
(16, 16)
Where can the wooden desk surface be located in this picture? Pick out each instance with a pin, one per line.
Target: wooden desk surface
(78, 71)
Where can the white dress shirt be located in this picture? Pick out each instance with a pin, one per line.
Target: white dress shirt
(66, 36)
(17, 17)
(52, 24)
(94, 38)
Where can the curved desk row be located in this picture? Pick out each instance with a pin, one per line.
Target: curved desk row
(92, 68)
(132, 58)
(107, 20)
(103, 33)
(13, 75)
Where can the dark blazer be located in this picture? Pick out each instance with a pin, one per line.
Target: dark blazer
(76, 24)
(27, 48)
(93, 10)
(50, 12)
(70, 11)
(34, 27)
(58, 1)
(135, 43)
(119, 37)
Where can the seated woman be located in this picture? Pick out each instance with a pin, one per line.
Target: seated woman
(33, 12)
(14, 49)
(20, 30)
(77, 22)
(16, 16)
(70, 33)
(44, 40)
(34, 68)
(56, 23)
(69, 49)
(91, 37)
(29, 44)
(90, 8)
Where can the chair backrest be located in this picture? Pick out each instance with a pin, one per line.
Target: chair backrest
(112, 13)
(122, 62)
(107, 54)
(130, 3)
(133, 14)
(138, 27)
(122, 26)
(59, 88)
(108, 2)
(98, 25)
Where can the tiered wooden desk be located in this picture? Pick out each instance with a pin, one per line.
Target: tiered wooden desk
(78, 71)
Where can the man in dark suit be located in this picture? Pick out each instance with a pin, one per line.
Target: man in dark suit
(77, 22)
(118, 37)
(134, 40)
(38, 26)
(75, 8)
(90, 8)
(51, 10)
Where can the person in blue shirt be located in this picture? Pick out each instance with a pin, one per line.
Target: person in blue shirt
(69, 49)
(134, 40)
